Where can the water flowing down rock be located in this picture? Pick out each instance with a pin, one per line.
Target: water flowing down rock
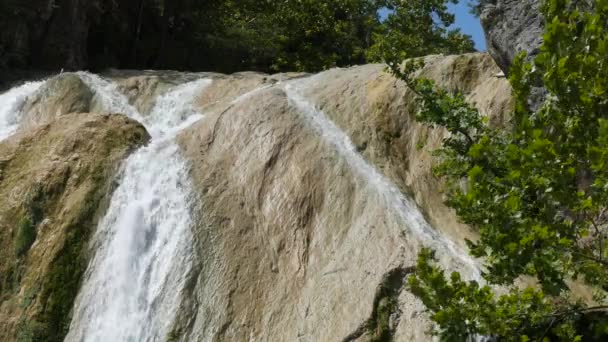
(11, 107)
(299, 229)
(285, 207)
(55, 180)
(144, 243)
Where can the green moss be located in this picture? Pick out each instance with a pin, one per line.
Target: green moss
(26, 228)
(379, 328)
(382, 329)
(35, 206)
(6, 282)
(26, 235)
(29, 297)
(60, 288)
(30, 331)
(174, 335)
(385, 306)
(422, 139)
(63, 281)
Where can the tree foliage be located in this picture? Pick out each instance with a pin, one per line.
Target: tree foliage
(537, 192)
(417, 28)
(225, 35)
(310, 35)
(291, 35)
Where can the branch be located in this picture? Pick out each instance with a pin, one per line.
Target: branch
(589, 257)
(466, 135)
(581, 310)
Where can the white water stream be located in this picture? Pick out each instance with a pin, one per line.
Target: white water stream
(11, 103)
(449, 253)
(143, 245)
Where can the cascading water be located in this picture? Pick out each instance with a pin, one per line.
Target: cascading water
(11, 103)
(107, 96)
(143, 246)
(408, 212)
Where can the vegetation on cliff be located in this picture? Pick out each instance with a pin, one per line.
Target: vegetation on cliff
(536, 192)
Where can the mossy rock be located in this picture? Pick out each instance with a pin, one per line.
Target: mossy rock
(57, 179)
(26, 235)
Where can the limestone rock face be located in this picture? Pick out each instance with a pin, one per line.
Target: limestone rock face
(143, 87)
(313, 196)
(60, 95)
(55, 180)
(142, 90)
(378, 111)
(305, 236)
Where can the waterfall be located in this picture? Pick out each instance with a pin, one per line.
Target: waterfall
(143, 245)
(108, 97)
(143, 250)
(405, 208)
(11, 103)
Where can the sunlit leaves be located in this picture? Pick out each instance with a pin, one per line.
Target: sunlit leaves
(417, 28)
(536, 193)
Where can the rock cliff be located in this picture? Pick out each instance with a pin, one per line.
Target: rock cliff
(300, 235)
(512, 26)
(55, 180)
(311, 196)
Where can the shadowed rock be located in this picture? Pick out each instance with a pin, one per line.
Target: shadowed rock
(512, 26)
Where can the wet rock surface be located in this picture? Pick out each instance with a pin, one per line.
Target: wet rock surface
(297, 233)
(55, 180)
(312, 196)
(61, 95)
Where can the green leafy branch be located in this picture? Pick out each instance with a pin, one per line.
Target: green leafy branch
(536, 192)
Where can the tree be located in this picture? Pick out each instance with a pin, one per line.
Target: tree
(537, 192)
(221, 35)
(308, 35)
(417, 28)
(312, 35)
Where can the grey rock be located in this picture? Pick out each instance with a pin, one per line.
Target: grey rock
(512, 26)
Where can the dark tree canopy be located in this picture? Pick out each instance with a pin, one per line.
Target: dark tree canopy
(219, 35)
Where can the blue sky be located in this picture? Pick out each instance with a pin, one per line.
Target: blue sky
(467, 23)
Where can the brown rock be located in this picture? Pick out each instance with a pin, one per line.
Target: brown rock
(377, 112)
(299, 238)
(60, 95)
(55, 181)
